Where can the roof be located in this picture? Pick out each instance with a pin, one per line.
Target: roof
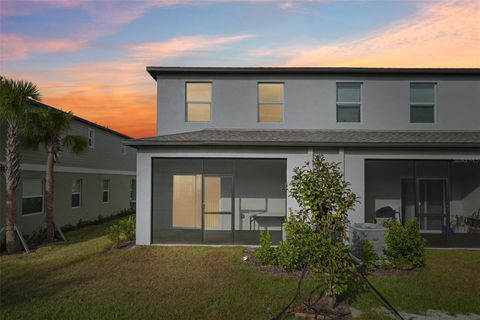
(337, 138)
(85, 121)
(155, 70)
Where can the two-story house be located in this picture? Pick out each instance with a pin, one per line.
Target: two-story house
(408, 141)
(98, 182)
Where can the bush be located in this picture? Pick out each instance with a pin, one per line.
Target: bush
(266, 253)
(300, 247)
(128, 228)
(121, 232)
(405, 247)
(368, 255)
(114, 234)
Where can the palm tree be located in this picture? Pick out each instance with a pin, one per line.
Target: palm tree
(14, 95)
(49, 127)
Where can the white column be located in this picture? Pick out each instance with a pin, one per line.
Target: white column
(144, 191)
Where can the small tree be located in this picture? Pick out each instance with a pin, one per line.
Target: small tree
(14, 95)
(324, 200)
(50, 127)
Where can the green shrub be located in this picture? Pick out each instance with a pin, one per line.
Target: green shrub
(300, 245)
(266, 253)
(405, 247)
(114, 234)
(288, 258)
(122, 231)
(128, 228)
(368, 255)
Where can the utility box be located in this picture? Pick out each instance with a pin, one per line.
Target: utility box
(375, 233)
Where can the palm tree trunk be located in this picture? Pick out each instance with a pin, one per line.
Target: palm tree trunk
(49, 183)
(12, 177)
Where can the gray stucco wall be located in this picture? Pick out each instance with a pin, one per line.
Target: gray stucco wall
(310, 103)
(91, 204)
(105, 161)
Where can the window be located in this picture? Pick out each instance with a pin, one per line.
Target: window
(76, 193)
(348, 102)
(91, 138)
(422, 102)
(32, 196)
(270, 102)
(106, 191)
(124, 149)
(198, 101)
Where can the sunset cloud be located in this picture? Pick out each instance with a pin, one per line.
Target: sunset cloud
(181, 45)
(15, 47)
(133, 113)
(442, 34)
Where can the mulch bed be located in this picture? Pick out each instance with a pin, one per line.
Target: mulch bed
(125, 245)
(269, 269)
(395, 272)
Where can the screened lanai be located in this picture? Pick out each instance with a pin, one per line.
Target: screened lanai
(444, 196)
(217, 201)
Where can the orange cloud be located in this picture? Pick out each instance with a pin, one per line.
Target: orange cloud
(15, 47)
(131, 113)
(442, 34)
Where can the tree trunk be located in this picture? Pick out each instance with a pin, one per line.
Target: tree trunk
(12, 177)
(49, 183)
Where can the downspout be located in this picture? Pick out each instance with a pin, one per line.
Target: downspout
(341, 155)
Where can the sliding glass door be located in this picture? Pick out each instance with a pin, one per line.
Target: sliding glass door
(432, 203)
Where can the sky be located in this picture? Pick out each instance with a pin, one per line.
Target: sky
(89, 56)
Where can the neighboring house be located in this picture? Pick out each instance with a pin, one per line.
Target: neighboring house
(96, 182)
(229, 138)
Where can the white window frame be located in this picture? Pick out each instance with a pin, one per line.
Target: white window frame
(198, 101)
(259, 102)
(35, 196)
(423, 104)
(79, 193)
(106, 190)
(91, 138)
(349, 104)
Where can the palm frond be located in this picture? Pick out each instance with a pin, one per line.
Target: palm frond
(76, 144)
(14, 95)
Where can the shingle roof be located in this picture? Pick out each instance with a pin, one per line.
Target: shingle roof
(87, 122)
(338, 138)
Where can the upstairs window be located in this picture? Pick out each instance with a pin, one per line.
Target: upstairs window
(91, 138)
(124, 149)
(348, 102)
(106, 191)
(76, 193)
(270, 102)
(422, 102)
(32, 196)
(198, 101)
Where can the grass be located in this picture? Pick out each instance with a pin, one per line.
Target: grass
(82, 280)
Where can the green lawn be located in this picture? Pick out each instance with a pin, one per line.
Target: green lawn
(80, 280)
